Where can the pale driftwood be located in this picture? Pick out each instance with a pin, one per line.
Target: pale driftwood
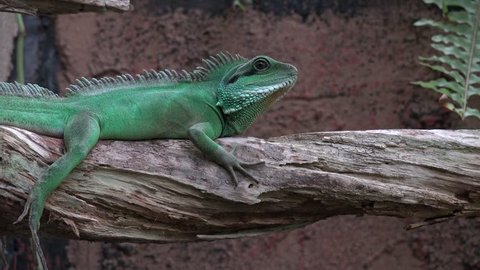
(164, 191)
(37, 7)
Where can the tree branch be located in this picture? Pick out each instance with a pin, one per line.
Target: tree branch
(165, 191)
(36, 7)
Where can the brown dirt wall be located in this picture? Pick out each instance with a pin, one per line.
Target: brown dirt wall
(355, 68)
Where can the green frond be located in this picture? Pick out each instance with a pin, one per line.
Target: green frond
(448, 61)
(458, 59)
(472, 112)
(449, 28)
(452, 51)
(443, 86)
(457, 41)
(454, 74)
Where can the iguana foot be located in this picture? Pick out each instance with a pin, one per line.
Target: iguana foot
(26, 209)
(239, 167)
(228, 161)
(198, 134)
(34, 208)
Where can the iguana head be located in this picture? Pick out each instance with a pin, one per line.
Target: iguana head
(250, 87)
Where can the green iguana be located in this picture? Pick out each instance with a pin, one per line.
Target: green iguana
(221, 98)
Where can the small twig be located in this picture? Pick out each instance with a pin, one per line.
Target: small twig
(428, 222)
(20, 49)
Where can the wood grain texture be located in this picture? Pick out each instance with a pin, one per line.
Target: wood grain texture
(37, 7)
(165, 191)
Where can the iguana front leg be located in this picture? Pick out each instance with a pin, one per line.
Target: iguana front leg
(80, 136)
(201, 135)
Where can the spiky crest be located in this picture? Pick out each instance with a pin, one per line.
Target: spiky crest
(31, 90)
(84, 86)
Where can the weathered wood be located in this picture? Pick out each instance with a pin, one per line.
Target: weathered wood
(37, 7)
(164, 191)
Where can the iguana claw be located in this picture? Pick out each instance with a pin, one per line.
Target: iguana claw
(239, 167)
(25, 211)
(231, 163)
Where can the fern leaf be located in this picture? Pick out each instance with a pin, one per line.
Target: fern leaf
(458, 59)
(451, 62)
(472, 112)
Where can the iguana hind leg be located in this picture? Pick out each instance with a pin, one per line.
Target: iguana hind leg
(81, 133)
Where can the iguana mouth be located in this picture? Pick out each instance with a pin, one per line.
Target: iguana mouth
(278, 83)
(285, 86)
(273, 91)
(281, 90)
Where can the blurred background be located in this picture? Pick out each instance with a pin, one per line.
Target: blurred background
(356, 59)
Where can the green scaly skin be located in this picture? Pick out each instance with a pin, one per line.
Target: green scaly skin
(221, 98)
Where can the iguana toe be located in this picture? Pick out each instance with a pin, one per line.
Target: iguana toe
(26, 209)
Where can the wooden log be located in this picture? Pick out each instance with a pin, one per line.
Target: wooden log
(165, 191)
(48, 7)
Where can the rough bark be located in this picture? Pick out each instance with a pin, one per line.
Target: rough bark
(165, 191)
(36, 7)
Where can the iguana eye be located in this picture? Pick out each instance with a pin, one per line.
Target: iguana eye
(261, 64)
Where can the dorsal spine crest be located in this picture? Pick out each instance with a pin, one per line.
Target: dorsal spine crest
(84, 86)
(27, 90)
